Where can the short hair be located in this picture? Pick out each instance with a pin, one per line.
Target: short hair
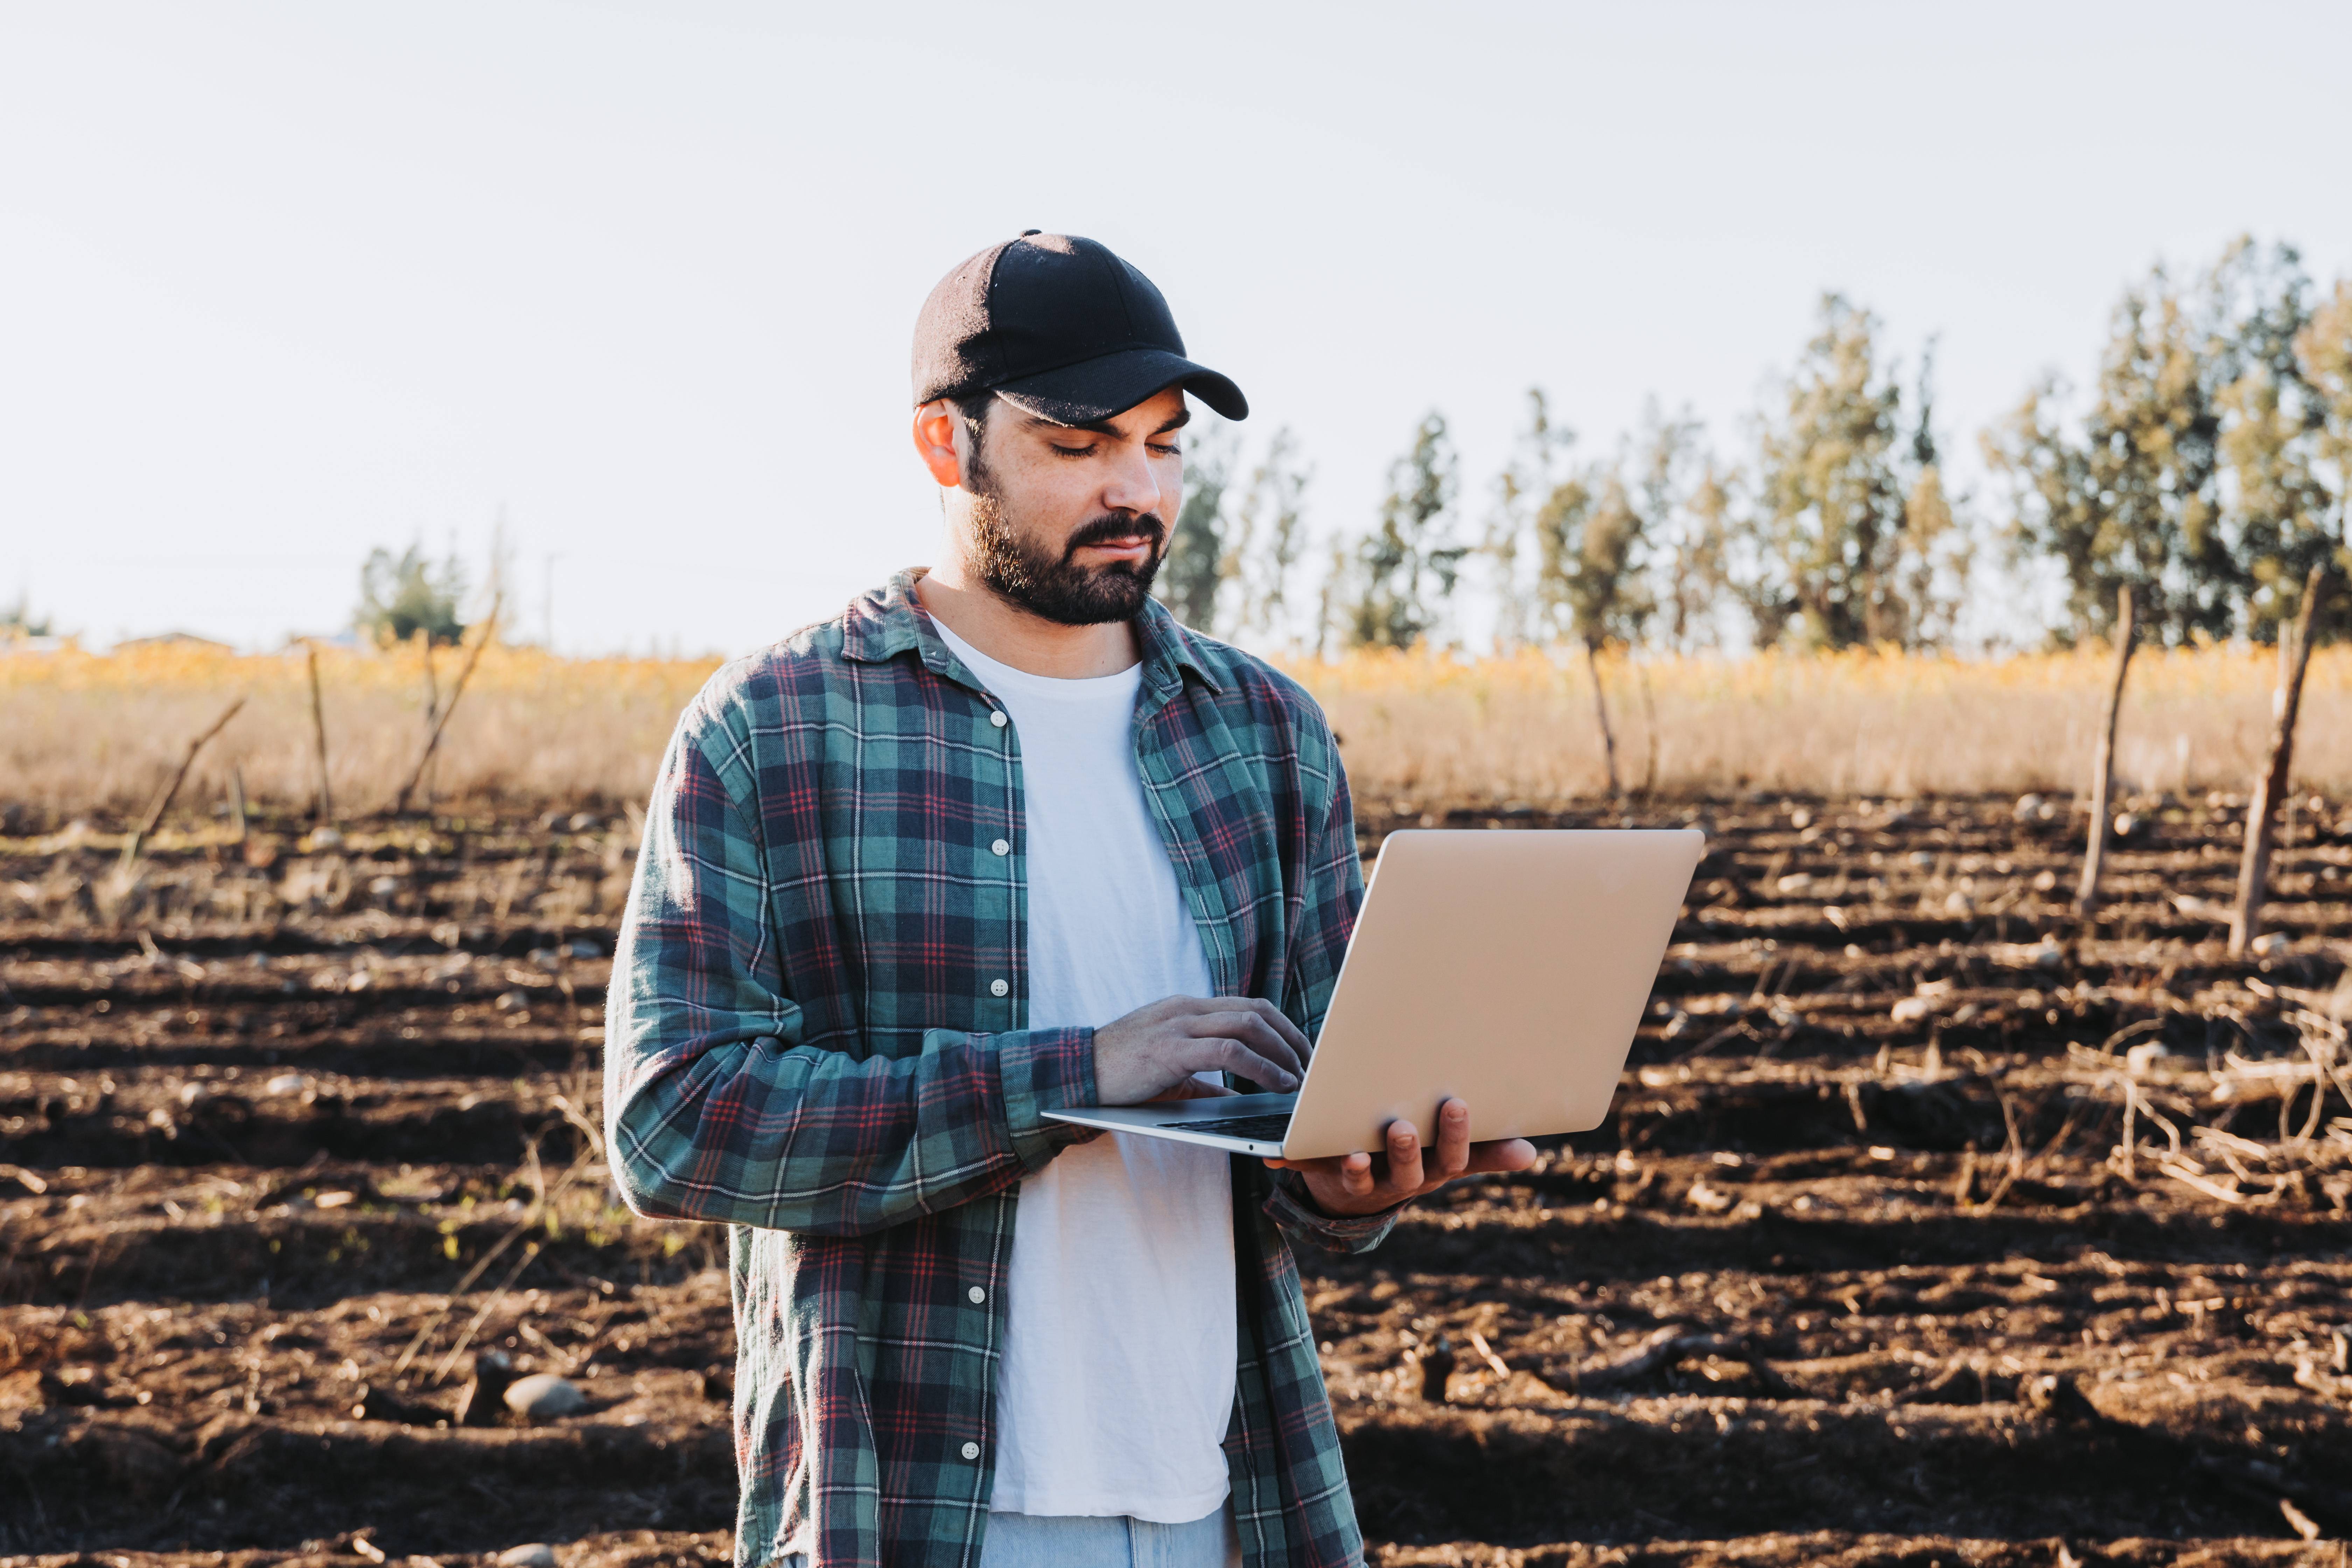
(974, 407)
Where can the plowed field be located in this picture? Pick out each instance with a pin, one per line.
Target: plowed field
(293, 1130)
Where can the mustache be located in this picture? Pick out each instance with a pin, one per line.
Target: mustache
(1110, 526)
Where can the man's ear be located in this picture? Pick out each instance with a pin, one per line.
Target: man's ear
(935, 436)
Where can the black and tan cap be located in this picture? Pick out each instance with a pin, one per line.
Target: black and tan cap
(1061, 328)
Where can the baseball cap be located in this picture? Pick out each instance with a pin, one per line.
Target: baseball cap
(1061, 328)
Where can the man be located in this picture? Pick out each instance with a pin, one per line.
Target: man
(1002, 839)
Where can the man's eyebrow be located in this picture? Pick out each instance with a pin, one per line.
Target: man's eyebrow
(1104, 427)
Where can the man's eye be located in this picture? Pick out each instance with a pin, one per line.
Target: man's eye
(1161, 451)
(1072, 451)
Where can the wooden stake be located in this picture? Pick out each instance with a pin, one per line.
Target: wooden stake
(1649, 731)
(236, 802)
(433, 741)
(164, 801)
(2254, 871)
(2103, 765)
(326, 806)
(431, 700)
(1601, 707)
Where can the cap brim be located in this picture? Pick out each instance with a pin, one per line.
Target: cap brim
(1094, 389)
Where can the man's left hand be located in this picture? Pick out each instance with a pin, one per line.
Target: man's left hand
(1358, 1184)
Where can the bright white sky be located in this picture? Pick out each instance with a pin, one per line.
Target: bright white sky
(283, 282)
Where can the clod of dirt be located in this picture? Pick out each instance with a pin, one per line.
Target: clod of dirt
(1960, 1385)
(543, 1396)
(538, 1555)
(478, 1405)
(2054, 1394)
(376, 1403)
(139, 1464)
(1437, 1366)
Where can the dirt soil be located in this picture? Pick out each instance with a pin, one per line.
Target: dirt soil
(296, 1129)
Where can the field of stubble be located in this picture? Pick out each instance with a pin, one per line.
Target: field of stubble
(292, 1134)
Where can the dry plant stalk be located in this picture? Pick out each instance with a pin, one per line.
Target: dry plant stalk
(2102, 764)
(2295, 663)
(164, 801)
(326, 807)
(2227, 1167)
(441, 717)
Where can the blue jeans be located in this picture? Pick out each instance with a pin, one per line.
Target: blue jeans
(1031, 1541)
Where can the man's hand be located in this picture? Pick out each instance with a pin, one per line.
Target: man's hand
(1153, 1052)
(1350, 1184)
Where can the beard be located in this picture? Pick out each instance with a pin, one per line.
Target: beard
(1047, 581)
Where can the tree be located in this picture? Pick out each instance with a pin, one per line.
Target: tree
(2196, 478)
(1843, 559)
(401, 596)
(1194, 569)
(1588, 540)
(2323, 351)
(1268, 537)
(1522, 487)
(2275, 501)
(1686, 504)
(1407, 567)
(17, 620)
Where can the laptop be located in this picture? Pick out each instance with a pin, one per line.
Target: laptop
(1509, 968)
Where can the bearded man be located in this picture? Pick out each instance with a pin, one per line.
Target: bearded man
(1001, 838)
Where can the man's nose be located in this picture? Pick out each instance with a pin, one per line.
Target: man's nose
(1131, 486)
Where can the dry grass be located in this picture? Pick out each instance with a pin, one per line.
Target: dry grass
(85, 734)
(1431, 730)
(82, 734)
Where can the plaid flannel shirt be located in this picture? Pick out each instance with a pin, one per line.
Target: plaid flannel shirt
(816, 1036)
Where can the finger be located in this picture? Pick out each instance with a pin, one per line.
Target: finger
(1255, 1033)
(1504, 1154)
(1292, 1034)
(1453, 1139)
(1356, 1175)
(1247, 1024)
(1234, 1056)
(1404, 1156)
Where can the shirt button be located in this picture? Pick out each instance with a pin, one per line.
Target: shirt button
(977, 1295)
(971, 1451)
(1002, 848)
(998, 988)
(995, 716)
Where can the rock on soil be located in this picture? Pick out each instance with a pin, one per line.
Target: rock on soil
(543, 1396)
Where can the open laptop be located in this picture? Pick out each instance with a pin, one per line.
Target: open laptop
(1506, 968)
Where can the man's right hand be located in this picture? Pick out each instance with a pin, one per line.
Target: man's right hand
(1152, 1051)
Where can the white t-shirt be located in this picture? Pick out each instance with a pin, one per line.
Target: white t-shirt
(1117, 1383)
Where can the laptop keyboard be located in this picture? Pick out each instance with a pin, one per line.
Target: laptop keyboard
(1267, 1127)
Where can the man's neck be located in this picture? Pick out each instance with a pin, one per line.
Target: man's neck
(1011, 634)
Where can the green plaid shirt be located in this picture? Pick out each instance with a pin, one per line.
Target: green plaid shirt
(816, 1036)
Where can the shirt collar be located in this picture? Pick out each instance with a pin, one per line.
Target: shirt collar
(885, 622)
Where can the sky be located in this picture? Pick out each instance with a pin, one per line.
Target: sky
(283, 283)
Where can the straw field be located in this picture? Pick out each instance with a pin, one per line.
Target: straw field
(86, 735)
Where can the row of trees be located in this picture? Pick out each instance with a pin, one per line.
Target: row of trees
(2208, 467)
